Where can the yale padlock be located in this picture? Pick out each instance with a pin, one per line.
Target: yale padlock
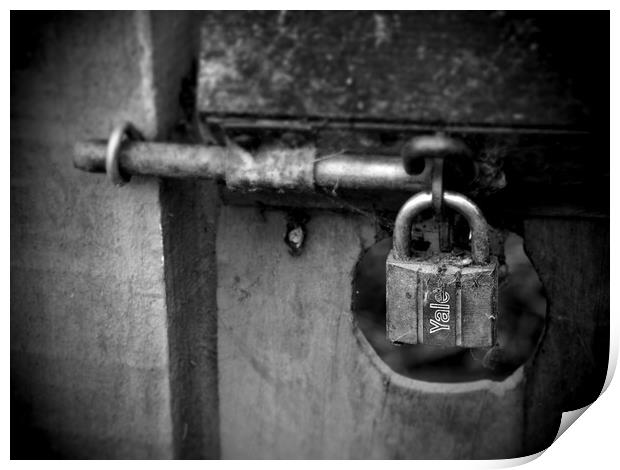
(442, 299)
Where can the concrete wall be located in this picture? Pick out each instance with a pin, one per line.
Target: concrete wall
(90, 349)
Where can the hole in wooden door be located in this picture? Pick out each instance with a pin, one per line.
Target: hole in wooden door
(522, 308)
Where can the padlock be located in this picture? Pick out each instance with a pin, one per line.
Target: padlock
(443, 299)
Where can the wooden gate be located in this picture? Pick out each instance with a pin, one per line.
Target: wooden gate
(171, 319)
(297, 378)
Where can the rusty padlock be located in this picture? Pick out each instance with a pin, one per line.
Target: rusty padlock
(443, 299)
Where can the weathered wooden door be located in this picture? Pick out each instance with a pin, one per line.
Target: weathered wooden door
(267, 352)
(296, 376)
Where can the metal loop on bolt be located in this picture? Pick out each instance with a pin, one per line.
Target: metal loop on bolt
(123, 131)
(437, 185)
(434, 149)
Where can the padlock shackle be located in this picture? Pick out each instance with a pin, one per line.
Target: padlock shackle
(460, 203)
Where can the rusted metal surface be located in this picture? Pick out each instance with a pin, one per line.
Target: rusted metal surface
(525, 112)
(374, 173)
(276, 168)
(431, 150)
(551, 171)
(155, 159)
(463, 288)
(441, 301)
(554, 174)
(499, 68)
(517, 156)
(514, 87)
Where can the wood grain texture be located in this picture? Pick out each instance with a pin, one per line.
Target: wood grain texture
(188, 223)
(89, 352)
(571, 257)
(188, 218)
(298, 379)
(508, 68)
(94, 321)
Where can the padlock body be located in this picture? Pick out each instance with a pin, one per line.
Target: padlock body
(441, 302)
